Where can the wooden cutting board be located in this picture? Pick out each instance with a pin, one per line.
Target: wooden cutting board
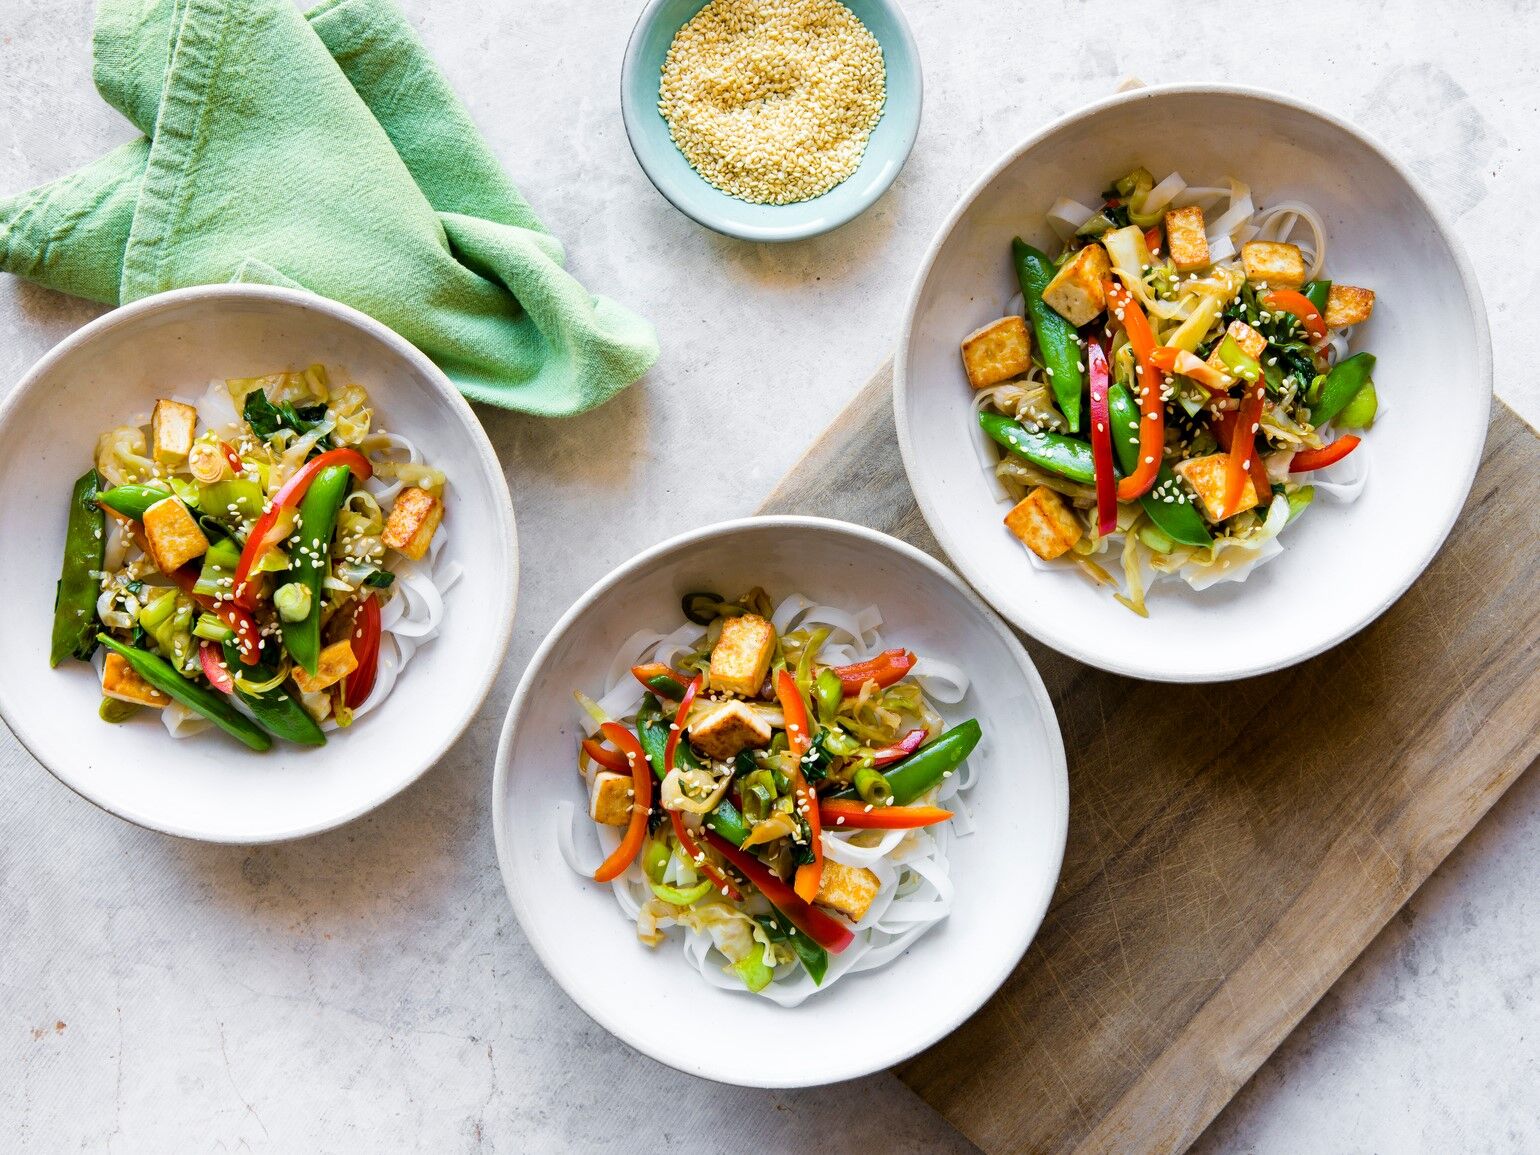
(1232, 848)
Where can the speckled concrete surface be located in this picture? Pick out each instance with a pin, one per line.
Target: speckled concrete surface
(369, 988)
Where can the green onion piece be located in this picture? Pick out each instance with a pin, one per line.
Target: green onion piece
(1152, 536)
(211, 628)
(292, 601)
(873, 788)
(655, 857)
(672, 894)
(1300, 499)
(753, 971)
(1238, 361)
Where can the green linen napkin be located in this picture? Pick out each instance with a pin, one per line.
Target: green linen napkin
(322, 150)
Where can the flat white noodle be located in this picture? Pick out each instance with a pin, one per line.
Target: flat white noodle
(1067, 215)
(942, 681)
(1165, 193)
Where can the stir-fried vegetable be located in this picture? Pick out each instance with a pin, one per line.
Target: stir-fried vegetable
(74, 610)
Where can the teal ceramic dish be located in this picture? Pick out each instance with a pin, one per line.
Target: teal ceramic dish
(686, 190)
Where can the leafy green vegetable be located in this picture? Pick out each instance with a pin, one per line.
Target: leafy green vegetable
(380, 579)
(266, 419)
(1288, 344)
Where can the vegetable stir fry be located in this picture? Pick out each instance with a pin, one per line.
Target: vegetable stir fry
(777, 784)
(1171, 384)
(234, 562)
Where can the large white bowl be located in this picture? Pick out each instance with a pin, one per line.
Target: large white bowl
(209, 786)
(1342, 565)
(1004, 872)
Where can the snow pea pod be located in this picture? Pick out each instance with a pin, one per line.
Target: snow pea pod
(728, 822)
(311, 561)
(74, 606)
(132, 500)
(930, 763)
(1317, 293)
(1341, 386)
(212, 705)
(1177, 518)
(275, 709)
(1056, 337)
(1066, 456)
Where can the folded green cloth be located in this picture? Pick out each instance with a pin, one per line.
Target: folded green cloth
(322, 150)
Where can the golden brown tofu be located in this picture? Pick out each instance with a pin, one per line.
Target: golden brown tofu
(1045, 523)
(121, 682)
(1186, 238)
(610, 799)
(1250, 341)
(1347, 305)
(333, 664)
(1278, 265)
(1076, 292)
(172, 429)
(412, 522)
(742, 655)
(1206, 475)
(997, 352)
(172, 535)
(726, 729)
(848, 889)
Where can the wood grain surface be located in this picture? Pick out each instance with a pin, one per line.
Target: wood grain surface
(1232, 848)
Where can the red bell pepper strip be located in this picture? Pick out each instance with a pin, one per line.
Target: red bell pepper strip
(1123, 306)
(856, 815)
(641, 803)
(269, 529)
(1101, 441)
(824, 929)
(1243, 447)
(698, 857)
(1152, 239)
(1292, 301)
(214, 670)
(612, 760)
(1223, 425)
(886, 668)
(232, 458)
(366, 651)
(248, 636)
(904, 747)
(1307, 459)
(649, 672)
(676, 731)
(799, 740)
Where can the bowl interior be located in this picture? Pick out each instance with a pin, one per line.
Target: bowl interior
(1020, 804)
(688, 191)
(210, 786)
(1342, 564)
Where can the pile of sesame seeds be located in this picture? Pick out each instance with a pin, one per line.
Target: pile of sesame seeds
(772, 101)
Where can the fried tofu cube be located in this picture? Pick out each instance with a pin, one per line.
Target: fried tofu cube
(1278, 265)
(848, 889)
(172, 429)
(1250, 341)
(172, 534)
(1187, 239)
(609, 799)
(726, 729)
(997, 352)
(333, 664)
(741, 657)
(1045, 523)
(1206, 475)
(412, 522)
(1076, 292)
(121, 681)
(1347, 305)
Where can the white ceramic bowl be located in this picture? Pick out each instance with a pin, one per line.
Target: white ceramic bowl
(209, 786)
(1342, 565)
(1004, 872)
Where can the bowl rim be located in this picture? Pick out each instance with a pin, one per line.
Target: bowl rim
(722, 221)
(123, 315)
(1058, 771)
(956, 550)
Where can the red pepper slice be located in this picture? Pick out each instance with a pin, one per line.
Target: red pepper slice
(366, 651)
(612, 760)
(248, 637)
(1307, 459)
(824, 929)
(676, 731)
(1152, 239)
(904, 747)
(1223, 425)
(268, 532)
(799, 740)
(214, 670)
(1243, 447)
(1101, 441)
(649, 672)
(886, 668)
(1122, 305)
(1292, 301)
(853, 815)
(698, 857)
(237, 466)
(1172, 360)
(641, 803)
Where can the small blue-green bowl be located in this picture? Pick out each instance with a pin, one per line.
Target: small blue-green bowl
(888, 147)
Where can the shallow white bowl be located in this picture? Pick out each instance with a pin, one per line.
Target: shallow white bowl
(209, 786)
(1342, 565)
(1004, 872)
